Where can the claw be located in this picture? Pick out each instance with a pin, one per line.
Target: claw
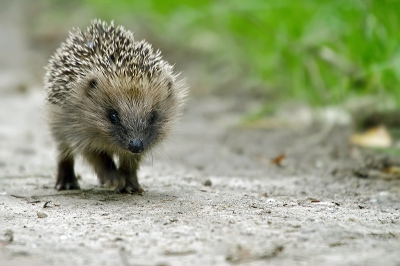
(67, 186)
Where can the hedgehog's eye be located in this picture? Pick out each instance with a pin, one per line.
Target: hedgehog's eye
(92, 84)
(152, 117)
(114, 118)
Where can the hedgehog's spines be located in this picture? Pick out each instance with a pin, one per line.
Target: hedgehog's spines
(105, 48)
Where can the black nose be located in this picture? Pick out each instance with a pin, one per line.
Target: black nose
(135, 145)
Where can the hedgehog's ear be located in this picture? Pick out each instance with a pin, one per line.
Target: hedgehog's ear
(92, 84)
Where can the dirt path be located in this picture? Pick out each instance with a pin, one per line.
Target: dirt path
(252, 213)
(212, 195)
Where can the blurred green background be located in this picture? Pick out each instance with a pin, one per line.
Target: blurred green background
(320, 52)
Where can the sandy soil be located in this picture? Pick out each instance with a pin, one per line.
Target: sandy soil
(212, 195)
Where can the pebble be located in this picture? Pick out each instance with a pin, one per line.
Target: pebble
(208, 183)
(41, 215)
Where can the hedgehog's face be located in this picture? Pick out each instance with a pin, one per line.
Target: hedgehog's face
(129, 116)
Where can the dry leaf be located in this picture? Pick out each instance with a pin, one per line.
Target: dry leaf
(393, 171)
(278, 160)
(377, 137)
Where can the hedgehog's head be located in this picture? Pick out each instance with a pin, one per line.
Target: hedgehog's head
(124, 113)
(116, 94)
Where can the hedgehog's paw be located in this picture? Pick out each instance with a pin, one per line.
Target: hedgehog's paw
(131, 186)
(67, 183)
(109, 178)
(66, 178)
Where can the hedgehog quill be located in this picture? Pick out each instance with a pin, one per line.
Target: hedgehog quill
(109, 97)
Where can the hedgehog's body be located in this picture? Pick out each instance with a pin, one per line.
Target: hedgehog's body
(108, 96)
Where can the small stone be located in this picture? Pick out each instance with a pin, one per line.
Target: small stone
(207, 183)
(9, 235)
(41, 215)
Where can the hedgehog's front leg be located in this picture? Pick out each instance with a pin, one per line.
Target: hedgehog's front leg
(128, 167)
(66, 178)
(104, 167)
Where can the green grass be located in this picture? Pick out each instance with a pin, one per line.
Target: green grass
(321, 52)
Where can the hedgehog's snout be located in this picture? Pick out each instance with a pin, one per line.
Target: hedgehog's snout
(135, 146)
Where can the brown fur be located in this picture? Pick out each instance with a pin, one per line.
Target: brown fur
(100, 102)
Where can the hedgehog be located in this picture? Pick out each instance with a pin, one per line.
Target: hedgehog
(110, 99)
